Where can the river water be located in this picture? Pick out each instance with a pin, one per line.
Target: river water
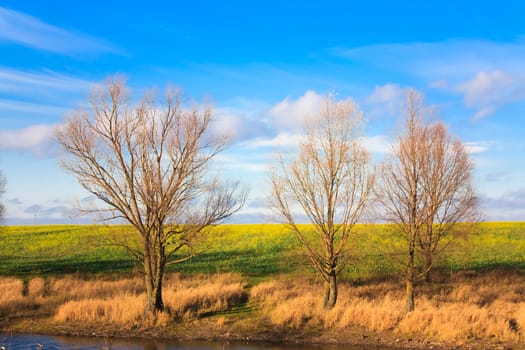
(45, 342)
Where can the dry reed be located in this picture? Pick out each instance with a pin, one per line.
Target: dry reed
(72, 288)
(112, 301)
(36, 288)
(121, 310)
(191, 297)
(488, 307)
(13, 302)
(11, 289)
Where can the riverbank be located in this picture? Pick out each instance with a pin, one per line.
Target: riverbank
(463, 310)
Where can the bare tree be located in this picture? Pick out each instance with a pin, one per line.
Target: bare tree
(400, 190)
(149, 165)
(450, 201)
(328, 182)
(425, 189)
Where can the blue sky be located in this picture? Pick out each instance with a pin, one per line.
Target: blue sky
(265, 65)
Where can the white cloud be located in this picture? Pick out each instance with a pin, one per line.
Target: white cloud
(284, 139)
(389, 96)
(487, 91)
(240, 162)
(239, 124)
(382, 144)
(488, 74)
(477, 147)
(292, 114)
(483, 88)
(377, 144)
(37, 139)
(227, 125)
(29, 31)
(385, 93)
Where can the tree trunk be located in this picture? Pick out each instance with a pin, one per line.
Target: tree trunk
(154, 302)
(410, 281)
(153, 275)
(427, 248)
(428, 266)
(330, 297)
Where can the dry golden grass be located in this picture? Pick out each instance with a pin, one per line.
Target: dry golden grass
(491, 306)
(121, 310)
(120, 302)
(74, 288)
(191, 297)
(10, 290)
(36, 288)
(184, 298)
(456, 321)
(296, 305)
(12, 299)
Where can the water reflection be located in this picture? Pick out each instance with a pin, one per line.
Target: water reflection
(43, 342)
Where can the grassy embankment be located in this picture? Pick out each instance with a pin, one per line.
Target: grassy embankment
(265, 288)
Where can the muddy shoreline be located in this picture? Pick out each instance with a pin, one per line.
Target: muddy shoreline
(247, 333)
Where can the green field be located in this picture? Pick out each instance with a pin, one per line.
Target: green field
(255, 251)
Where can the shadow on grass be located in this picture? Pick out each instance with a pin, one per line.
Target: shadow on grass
(65, 266)
(250, 263)
(247, 262)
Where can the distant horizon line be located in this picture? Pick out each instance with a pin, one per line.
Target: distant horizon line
(28, 222)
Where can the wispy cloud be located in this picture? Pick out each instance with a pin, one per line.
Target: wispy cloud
(30, 31)
(239, 162)
(497, 176)
(44, 94)
(239, 124)
(386, 98)
(45, 213)
(487, 91)
(452, 58)
(477, 147)
(37, 139)
(26, 107)
(15, 201)
(488, 74)
(509, 206)
(13, 80)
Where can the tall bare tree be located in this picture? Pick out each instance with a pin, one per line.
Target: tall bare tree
(425, 189)
(400, 190)
(149, 165)
(450, 201)
(329, 183)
